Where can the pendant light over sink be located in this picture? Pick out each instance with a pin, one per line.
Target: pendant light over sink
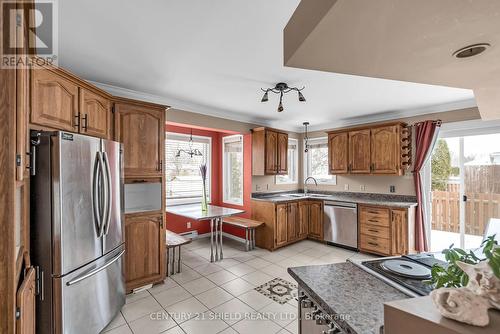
(282, 88)
(191, 152)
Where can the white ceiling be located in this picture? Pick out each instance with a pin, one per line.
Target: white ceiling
(212, 57)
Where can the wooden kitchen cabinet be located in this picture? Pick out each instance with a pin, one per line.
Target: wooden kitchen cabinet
(338, 153)
(385, 230)
(26, 303)
(385, 150)
(316, 220)
(286, 223)
(292, 222)
(95, 114)
(144, 250)
(359, 152)
(54, 100)
(269, 152)
(381, 149)
(141, 129)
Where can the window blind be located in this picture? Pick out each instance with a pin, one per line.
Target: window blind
(184, 183)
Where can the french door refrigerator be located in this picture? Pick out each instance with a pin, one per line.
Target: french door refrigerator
(77, 231)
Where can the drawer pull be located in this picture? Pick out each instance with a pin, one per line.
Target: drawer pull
(373, 212)
(373, 220)
(375, 231)
(372, 243)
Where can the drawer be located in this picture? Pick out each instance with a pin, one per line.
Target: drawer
(375, 231)
(375, 244)
(374, 216)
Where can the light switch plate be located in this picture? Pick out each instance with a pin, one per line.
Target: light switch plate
(392, 189)
(188, 224)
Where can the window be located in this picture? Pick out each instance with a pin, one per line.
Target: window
(293, 162)
(316, 161)
(184, 184)
(232, 161)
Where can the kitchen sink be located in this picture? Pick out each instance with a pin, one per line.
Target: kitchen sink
(293, 195)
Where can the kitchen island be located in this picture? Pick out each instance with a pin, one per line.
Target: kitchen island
(349, 295)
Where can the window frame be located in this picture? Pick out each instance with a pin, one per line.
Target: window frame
(306, 165)
(296, 163)
(191, 200)
(224, 174)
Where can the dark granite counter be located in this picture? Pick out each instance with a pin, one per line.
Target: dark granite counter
(401, 201)
(345, 291)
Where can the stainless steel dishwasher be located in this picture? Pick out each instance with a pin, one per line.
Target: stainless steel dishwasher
(341, 224)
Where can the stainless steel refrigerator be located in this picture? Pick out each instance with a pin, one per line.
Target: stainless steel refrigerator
(77, 229)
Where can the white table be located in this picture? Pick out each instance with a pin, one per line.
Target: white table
(215, 214)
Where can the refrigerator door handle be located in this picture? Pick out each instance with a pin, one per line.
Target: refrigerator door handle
(96, 200)
(109, 195)
(96, 270)
(102, 191)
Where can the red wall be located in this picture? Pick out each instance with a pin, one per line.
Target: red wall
(178, 224)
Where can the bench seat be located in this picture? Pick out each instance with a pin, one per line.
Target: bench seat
(173, 241)
(249, 225)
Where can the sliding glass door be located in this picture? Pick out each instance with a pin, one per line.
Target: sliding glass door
(465, 189)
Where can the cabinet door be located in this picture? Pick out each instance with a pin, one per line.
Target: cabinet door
(141, 130)
(293, 221)
(25, 302)
(281, 224)
(282, 153)
(359, 152)
(338, 153)
(95, 114)
(399, 232)
(385, 150)
(303, 219)
(271, 152)
(144, 250)
(316, 220)
(54, 101)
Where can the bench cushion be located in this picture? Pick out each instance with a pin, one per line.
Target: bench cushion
(242, 222)
(173, 239)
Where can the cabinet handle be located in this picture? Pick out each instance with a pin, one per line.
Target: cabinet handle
(160, 165)
(375, 231)
(373, 220)
(85, 122)
(77, 121)
(372, 243)
(373, 212)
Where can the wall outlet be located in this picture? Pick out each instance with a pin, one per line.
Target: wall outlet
(392, 189)
(258, 187)
(346, 186)
(188, 224)
(362, 187)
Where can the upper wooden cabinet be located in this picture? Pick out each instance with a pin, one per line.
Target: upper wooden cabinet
(141, 129)
(381, 149)
(61, 101)
(269, 152)
(338, 153)
(95, 114)
(359, 152)
(54, 100)
(385, 150)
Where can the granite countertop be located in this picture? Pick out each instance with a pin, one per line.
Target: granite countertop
(193, 211)
(347, 292)
(401, 201)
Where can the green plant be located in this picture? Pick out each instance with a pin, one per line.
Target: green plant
(441, 165)
(452, 276)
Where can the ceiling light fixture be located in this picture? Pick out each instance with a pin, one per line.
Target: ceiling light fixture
(196, 152)
(306, 137)
(282, 88)
(471, 50)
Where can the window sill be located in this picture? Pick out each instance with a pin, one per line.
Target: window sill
(232, 203)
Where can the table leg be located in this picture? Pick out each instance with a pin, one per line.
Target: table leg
(216, 240)
(211, 240)
(179, 261)
(253, 238)
(246, 240)
(168, 262)
(220, 228)
(172, 263)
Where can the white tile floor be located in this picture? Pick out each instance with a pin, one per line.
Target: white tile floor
(220, 297)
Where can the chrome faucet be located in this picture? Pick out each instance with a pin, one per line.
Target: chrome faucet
(305, 183)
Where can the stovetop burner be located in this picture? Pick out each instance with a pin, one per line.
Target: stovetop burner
(406, 268)
(408, 271)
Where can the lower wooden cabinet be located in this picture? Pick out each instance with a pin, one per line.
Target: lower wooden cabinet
(386, 231)
(26, 304)
(144, 250)
(285, 223)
